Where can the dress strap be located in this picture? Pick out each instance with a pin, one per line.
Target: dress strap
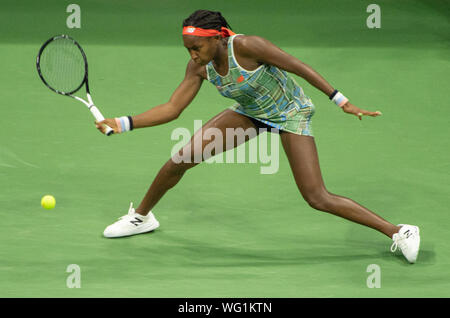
(231, 60)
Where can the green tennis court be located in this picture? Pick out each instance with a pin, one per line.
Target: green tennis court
(226, 229)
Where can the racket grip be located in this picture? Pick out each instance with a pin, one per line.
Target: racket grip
(109, 131)
(99, 117)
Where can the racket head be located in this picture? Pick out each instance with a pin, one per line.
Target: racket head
(62, 65)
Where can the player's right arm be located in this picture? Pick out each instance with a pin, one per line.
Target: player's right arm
(180, 99)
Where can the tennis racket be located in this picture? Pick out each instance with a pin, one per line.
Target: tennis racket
(62, 66)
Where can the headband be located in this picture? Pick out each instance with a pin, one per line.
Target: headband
(191, 30)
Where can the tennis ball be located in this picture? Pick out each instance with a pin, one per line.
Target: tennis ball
(48, 202)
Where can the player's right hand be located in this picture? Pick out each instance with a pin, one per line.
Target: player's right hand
(111, 122)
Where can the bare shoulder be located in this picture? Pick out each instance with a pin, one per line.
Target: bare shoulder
(248, 45)
(194, 69)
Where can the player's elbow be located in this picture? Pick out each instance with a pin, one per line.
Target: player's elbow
(176, 115)
(173, 111)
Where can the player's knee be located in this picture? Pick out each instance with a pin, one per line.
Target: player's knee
(318, 200)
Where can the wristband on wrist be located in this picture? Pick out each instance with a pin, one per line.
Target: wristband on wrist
(124, 123)
(338, 98)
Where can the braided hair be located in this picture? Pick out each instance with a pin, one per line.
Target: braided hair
(206, 19)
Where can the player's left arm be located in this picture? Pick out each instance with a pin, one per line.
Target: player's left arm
(266, 52)
(263, 51)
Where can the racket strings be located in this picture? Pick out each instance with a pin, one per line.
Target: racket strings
(62, 65)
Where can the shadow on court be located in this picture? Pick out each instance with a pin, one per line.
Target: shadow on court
(192, 252)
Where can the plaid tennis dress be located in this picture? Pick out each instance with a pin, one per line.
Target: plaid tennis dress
(267, 94)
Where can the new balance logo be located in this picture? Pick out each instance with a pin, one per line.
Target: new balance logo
(136, 222)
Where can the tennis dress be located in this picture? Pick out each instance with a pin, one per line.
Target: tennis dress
(267, 94)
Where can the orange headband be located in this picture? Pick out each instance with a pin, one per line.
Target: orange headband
(191, 30)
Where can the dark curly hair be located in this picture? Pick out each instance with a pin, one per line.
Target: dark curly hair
(206, 19)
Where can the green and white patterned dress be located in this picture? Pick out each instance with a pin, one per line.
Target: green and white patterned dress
(267, 94)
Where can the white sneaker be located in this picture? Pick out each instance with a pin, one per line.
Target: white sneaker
(131, 224)
(408, 241)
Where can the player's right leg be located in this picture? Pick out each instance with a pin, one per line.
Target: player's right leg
(141, 219)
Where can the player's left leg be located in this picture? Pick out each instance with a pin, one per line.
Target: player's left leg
(304, 161)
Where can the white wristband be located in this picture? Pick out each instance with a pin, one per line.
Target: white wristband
(340, 99)
(124, 123)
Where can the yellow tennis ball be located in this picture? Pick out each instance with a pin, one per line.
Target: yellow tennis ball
(48, 202)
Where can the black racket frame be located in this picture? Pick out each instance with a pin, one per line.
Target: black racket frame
(38, 59)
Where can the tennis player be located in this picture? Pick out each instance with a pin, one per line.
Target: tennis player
(254, 72)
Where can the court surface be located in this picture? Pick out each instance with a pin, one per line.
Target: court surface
(226, 229)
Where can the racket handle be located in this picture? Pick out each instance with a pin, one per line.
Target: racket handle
(109, 131)
(94, 110)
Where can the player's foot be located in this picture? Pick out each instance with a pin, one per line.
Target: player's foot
(131, 224)
(408, 241)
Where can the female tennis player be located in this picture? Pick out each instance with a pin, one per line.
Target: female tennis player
(254, 72)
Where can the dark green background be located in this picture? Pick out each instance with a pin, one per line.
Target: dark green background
(226, 230)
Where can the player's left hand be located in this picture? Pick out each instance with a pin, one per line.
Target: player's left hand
(352, 109)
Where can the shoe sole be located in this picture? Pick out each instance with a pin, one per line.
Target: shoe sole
(151, 227)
